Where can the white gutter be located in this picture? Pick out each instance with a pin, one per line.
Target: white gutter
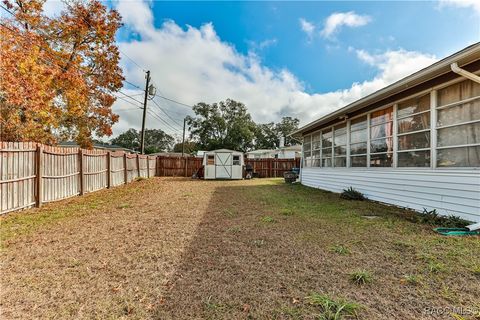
(434, 70)
(464, 73)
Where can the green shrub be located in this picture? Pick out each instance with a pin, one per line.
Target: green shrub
(268, 219)
(340, 249)
(286, 212)
(435, 267)
(412, 279)
(352, 194)
(433, 218)
(361, 277)
(333, 309)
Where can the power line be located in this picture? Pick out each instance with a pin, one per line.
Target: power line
(61, 67)
(133, 84)
(177, 102)
(156, 116)
(130, 102)
(130, 97)
(143, 69)
(165, 112)
(6, 9)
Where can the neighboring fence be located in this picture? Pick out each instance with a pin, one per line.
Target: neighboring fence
(187, 166)
(178, 166)
(32, 174)
(271, 167)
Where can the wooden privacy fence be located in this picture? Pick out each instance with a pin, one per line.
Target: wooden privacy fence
(187, 166)
(178, 166)
(32, 173)
(272, 167)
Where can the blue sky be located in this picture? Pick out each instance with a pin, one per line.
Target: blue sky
(261, 54)
(327, 64)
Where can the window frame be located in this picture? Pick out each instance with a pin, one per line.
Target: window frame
(434, 108)
(437, 128)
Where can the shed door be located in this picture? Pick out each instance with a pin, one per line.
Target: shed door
(223, 165)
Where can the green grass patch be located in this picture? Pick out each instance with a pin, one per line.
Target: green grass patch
(287, 212)
(333, 308)
(412, 279)
(435, 267)
(340, 249)
(268, 219)
(361, 277)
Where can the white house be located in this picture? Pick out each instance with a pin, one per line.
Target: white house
(415, 143)
(223, 164)
(290, 152)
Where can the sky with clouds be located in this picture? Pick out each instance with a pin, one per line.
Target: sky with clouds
(300, 59)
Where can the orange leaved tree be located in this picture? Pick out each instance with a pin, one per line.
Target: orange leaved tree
(58, 74)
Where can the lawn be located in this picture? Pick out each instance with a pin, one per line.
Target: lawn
(174, 248)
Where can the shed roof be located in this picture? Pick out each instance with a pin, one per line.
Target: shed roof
(223, 150)
(462, 57)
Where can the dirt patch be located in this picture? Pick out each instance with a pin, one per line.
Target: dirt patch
(173, 248)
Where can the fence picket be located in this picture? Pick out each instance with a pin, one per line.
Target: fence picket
(32, 173)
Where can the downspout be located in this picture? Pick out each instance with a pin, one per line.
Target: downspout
(464, 73)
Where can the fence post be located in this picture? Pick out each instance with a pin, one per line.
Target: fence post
(138, 165)
(162, 169)
(39, 175)
(270, 167)
(81, 167)
(148, 167)
(109, 170)
(125, 172)
(186, 161)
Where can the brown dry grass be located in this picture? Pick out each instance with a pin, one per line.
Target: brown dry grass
(172, 248)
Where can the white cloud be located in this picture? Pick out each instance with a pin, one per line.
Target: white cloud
(53, 7)
(307, 27)
(194, 64)
(336, 20)
(396, 64)
(474, 4)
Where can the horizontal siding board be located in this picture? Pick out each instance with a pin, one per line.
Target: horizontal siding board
(471, 178)
(434, 200)
(414, 190)
(450, 192)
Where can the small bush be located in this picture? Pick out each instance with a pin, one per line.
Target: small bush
(435, 267)
(140, 178)
(287, 212)
(412, 279)
(361, 277)
(333, 309)
(433, 218)
(268, 219)
(340, 249)
(352, 194)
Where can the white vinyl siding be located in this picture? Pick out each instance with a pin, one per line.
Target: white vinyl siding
(420, 152)
(451, 192)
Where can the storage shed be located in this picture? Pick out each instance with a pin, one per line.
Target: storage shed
(223, 164)
(415, 143)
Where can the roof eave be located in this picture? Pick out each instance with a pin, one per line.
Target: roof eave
(432, 71)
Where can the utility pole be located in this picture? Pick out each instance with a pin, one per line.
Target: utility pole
(183, 140)
(142, 142)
